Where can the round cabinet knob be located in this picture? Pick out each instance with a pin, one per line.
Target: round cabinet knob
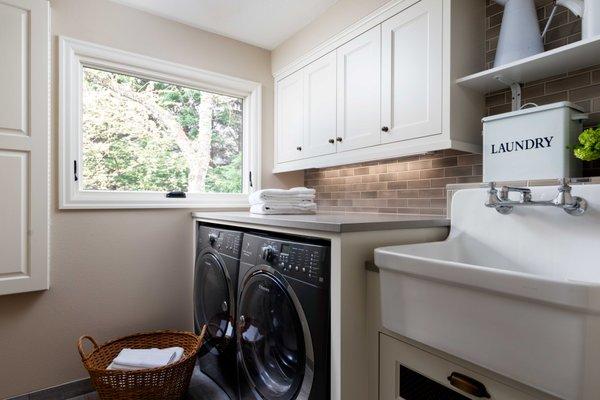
(332, 141)
(212, 238)
(339, 139)
(385, 129)
(299, 148)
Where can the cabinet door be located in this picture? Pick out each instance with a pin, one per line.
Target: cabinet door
(412, 73)
(290, 121)
(24, 68)
(409, 373)
(359, 86)
(320, 107)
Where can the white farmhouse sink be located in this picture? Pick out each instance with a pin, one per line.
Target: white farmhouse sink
(518, 294)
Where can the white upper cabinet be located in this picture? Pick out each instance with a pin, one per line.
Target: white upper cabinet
(395, 94)
(290, 117)
(320, 107)
(24, 111)
(411, 96)
(359, 83)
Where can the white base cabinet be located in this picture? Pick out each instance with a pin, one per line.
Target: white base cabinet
(409, 373)
(385, 86)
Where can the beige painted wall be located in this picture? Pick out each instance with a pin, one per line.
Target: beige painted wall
(117, 272)
(338, 17)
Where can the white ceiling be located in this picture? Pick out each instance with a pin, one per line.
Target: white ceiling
(263, 23)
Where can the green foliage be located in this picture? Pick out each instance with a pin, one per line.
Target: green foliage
(181, 101)
(588, 148)
(226, 178)
(127, 148)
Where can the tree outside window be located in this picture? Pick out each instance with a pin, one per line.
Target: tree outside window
(145, 135)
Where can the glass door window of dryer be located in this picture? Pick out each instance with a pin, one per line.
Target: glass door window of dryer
(213, 301)
(271, 339)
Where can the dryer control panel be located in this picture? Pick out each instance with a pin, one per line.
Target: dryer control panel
(302, 261)
(224, 241)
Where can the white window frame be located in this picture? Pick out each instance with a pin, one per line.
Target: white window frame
(75, 54)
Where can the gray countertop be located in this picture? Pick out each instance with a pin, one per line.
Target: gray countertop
(328, 222)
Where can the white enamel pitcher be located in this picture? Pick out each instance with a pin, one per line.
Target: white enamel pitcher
(589, 11)
(520, 32)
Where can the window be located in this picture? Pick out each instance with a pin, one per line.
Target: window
(134, 129)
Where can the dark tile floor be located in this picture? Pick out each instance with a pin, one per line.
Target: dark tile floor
(201, 388)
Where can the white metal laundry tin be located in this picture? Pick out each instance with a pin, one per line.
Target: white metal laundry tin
(532, 143)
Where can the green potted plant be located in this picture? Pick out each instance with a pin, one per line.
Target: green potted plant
(588, 148)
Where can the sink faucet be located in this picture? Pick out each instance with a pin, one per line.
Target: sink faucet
(500, 200)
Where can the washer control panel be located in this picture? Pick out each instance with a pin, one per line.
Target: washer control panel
(303, 261)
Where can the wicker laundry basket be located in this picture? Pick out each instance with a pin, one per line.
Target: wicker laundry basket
(165, 383)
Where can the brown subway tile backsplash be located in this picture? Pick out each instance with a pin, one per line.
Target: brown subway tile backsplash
(431, 173)
(409, 185)
(570, 82)
(417, 184)
(444, 162)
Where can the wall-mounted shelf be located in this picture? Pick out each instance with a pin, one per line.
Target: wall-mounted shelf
(570, 57)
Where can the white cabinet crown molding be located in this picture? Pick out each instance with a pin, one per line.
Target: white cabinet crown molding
(373, 19)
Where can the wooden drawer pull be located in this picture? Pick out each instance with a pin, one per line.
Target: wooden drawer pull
(468, 385)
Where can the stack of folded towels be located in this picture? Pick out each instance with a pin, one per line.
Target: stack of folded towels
(135, 359)
(298, 200)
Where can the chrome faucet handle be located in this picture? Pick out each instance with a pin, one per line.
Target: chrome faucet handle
(496, 202)
(572, 205)
(563, 185)
(525, 193)
(516, 189)
(564, 198)
(564, 181)
(492, 195)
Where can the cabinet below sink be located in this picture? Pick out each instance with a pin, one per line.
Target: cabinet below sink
(409, 373)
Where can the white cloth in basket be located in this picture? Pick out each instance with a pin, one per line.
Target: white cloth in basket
(135, 359)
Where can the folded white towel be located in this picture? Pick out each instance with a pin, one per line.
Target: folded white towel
(288, 204)
(300, 199)
(134, 359)
(272, 209)
(296, 193)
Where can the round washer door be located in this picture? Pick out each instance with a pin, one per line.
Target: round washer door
(213, 300)
(272, 339)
